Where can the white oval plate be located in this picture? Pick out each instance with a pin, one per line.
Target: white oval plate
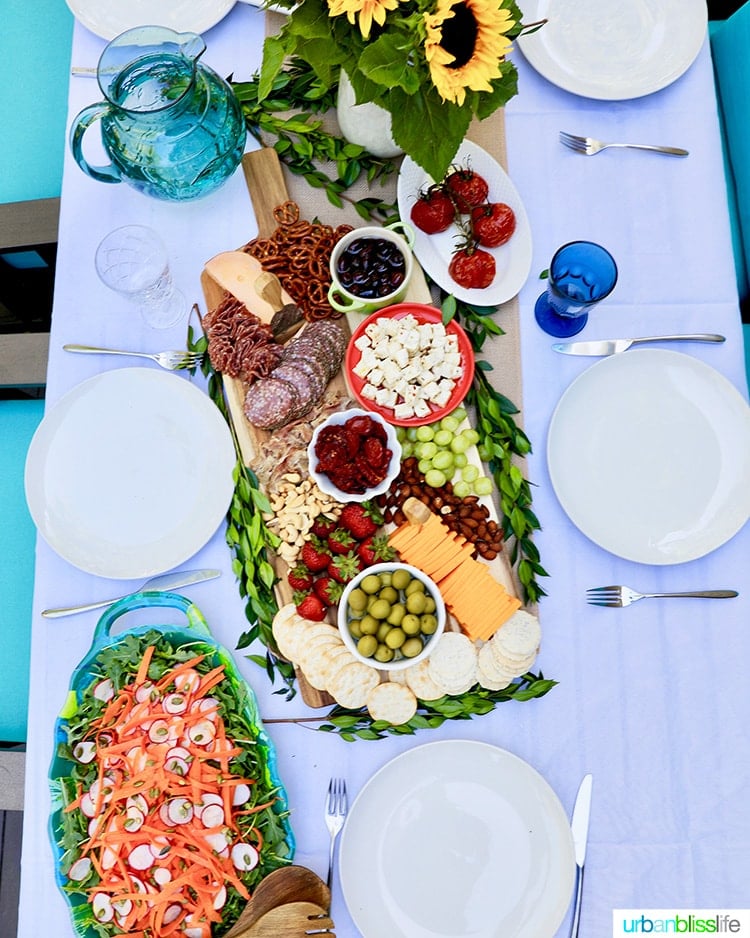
(434, 252)
(130, 473)
(457, 838)
(109, 18)
(610, 50)
(649, 455)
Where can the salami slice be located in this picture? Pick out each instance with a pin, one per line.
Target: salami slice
(271, 403)
(295, 375)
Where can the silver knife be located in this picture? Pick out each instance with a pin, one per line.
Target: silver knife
(580, 828)
(613, 346)
(163, 583)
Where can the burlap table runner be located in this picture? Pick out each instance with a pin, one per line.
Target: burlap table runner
(502, 352)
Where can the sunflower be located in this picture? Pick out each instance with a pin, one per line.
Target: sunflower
(464, 45)
(368, 10)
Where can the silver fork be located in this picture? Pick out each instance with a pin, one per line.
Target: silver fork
(624, 596)
(172, 361)
(336, 808)
(589, 146)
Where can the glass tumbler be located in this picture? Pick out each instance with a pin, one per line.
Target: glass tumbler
(133, 262)
(581, 274)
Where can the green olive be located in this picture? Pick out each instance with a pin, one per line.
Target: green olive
(395, 638)
(385, 579)
(383, 654)
(370, 583)
(358, 600)
(400, 579)
(383, 629)
(412, 647)
(368, 625)
(355, 629)
(415, 586)
(415, 602)
(410, 624)
(380, 609)
(367, 646)
(397, 614)
(428, 624)
(389, 594)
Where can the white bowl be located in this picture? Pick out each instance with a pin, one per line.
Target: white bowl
(399, 664)
(323, 481)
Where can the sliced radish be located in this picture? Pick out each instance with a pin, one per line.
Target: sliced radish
(158, 732)
(80, 869)
(175, 703)
(102, 907)
(161, 876)
(244, 857)
(202, 733)
(241, 794)
(218, 842)
(209, 706)
(212, 815)
(178, 766)
(188, 681)
(171, 913)
(87, 805)
(160, 847)
(146, 692)
(220, 898)
(101, 789)
(109, 858)
(164, 814)
(137, 884)
(104, 691)
(141, 858)
(85, 752)
(137, 801)
(180, 811)
(195, 931)
(211, 797)
(134, 819)
(122, 906)
(94, 824)
(178, 752)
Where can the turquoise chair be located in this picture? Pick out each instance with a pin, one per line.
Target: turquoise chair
(730, 50)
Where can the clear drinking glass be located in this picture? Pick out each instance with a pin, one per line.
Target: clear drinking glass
(133, 261)
(581, 274)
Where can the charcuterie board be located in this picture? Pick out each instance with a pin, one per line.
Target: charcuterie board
(241, 275)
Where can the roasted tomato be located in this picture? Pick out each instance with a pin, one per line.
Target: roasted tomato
(493, 223)
(472, 268)
(468, 189)
(433, 211)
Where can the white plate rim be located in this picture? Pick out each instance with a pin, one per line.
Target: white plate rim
(563, 855)
(598, 374)
(108, 20)
(208, 434)
(433, 251)
(632, 85)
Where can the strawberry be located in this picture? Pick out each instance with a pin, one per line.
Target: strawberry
(468, 188)
(433, 211)
(327, 590)
(310, 606)
(361, 519)
(344, 567)
(322, 526)
(340, 541)
(472, 268)
(375, 550)
(300, 578)
(493, 223)
(314, 555)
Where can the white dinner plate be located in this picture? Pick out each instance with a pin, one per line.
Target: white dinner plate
(130, 473)
(434, 252)
(457, 839)
(611, 50)
(649, 455)
(109, 18)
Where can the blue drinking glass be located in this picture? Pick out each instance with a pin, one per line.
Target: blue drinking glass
(580, 275)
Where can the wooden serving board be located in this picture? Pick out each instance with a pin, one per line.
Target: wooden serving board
(238, 273)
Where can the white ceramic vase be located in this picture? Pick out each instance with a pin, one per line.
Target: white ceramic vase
(368, 124)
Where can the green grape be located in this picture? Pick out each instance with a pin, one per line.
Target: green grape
(407, 449)
(470, 474)
(459, 444)
(460, 460)
(425, 433)
(424, 466)
(443, 438)
(459, 413)
(471, 435)
(483, 486)
(401, 434)
(449, 423)
(461, 489)
(443, 460)
(411, 434)
(435, 478)
(425, 450)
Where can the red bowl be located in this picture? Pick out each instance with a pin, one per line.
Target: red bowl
(422, 313)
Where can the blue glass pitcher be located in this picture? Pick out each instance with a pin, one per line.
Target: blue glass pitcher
(170, 125)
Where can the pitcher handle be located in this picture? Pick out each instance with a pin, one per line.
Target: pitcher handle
(79, 126)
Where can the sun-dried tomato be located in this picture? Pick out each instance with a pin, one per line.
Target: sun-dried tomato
(354, 455)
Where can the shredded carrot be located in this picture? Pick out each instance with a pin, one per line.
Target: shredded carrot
(142, 673)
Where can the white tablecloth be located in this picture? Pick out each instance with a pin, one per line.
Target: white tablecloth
(651, 699)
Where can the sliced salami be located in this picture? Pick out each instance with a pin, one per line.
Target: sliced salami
(315, 370)
(271, 403)
(289, 371)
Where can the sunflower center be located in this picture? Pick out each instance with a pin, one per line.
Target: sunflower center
(459, 35)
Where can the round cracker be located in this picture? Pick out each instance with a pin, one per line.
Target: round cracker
(489, 683)
(340, 658)
(418, 678)
(519, 636)
(318, 666)
(453, 660)
(391, 702)
(456, 688)
(516, 666)
(350, 686)
(284, 627)
(491, 667)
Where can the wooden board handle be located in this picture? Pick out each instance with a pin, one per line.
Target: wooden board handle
(265, 181)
